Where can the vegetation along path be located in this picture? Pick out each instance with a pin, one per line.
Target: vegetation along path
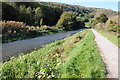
(22, 46)
(109, 53)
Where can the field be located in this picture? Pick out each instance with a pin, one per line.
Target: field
(76, 56)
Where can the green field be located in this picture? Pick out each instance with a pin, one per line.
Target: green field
(76, 56)
(113, 38)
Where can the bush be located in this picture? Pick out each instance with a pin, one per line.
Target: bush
(92, 23)
(102, 18)
(112, 24)
(100, 25)
(47, 28)
(78, 25)
(11, 27)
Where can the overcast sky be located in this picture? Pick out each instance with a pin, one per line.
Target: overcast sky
(107, 4)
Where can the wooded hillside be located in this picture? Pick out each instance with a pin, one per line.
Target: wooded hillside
(46, 13)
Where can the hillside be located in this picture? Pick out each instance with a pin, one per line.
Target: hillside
(82, 9)
(49, 9)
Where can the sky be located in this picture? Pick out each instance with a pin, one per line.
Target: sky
(107, 4)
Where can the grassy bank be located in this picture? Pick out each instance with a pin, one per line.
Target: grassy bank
(113, 38)
(74, 57)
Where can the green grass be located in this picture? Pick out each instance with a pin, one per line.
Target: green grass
(113, 38)
(0, 69)
(87, 24)
(0, 66)
(20, 36)
(85, 61)
(74, 57)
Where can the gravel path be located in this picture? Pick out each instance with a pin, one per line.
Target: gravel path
(22, 46)
(109, 53)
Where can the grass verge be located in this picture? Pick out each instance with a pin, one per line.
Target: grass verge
(113, 38)
(74, 57)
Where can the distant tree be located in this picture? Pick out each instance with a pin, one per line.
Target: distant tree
(78, 25)
(69, 22)
(32, 13)
(29, 15)
(9, 12)
(52, 15)
(23, 15)
(66, 20)
(102, 18)
(38, 15)
(41, 22)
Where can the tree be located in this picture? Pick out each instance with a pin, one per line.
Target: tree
(9, 12)
(41, 22)
(38, 15)
(22, 11)
(51, 15)
(29, 15)
(65, 20)
(102, 18)
(69, 22)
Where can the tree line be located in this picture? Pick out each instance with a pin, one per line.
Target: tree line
(31, 13)
(50, 14)
(40, 13)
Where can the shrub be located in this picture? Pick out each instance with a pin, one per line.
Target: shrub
(78, 25)
(46, 28)
(112, 24)
(102, 18)
(49, 28)
(72, 40)
(32, 28)
(10, 27)
(100, 25)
